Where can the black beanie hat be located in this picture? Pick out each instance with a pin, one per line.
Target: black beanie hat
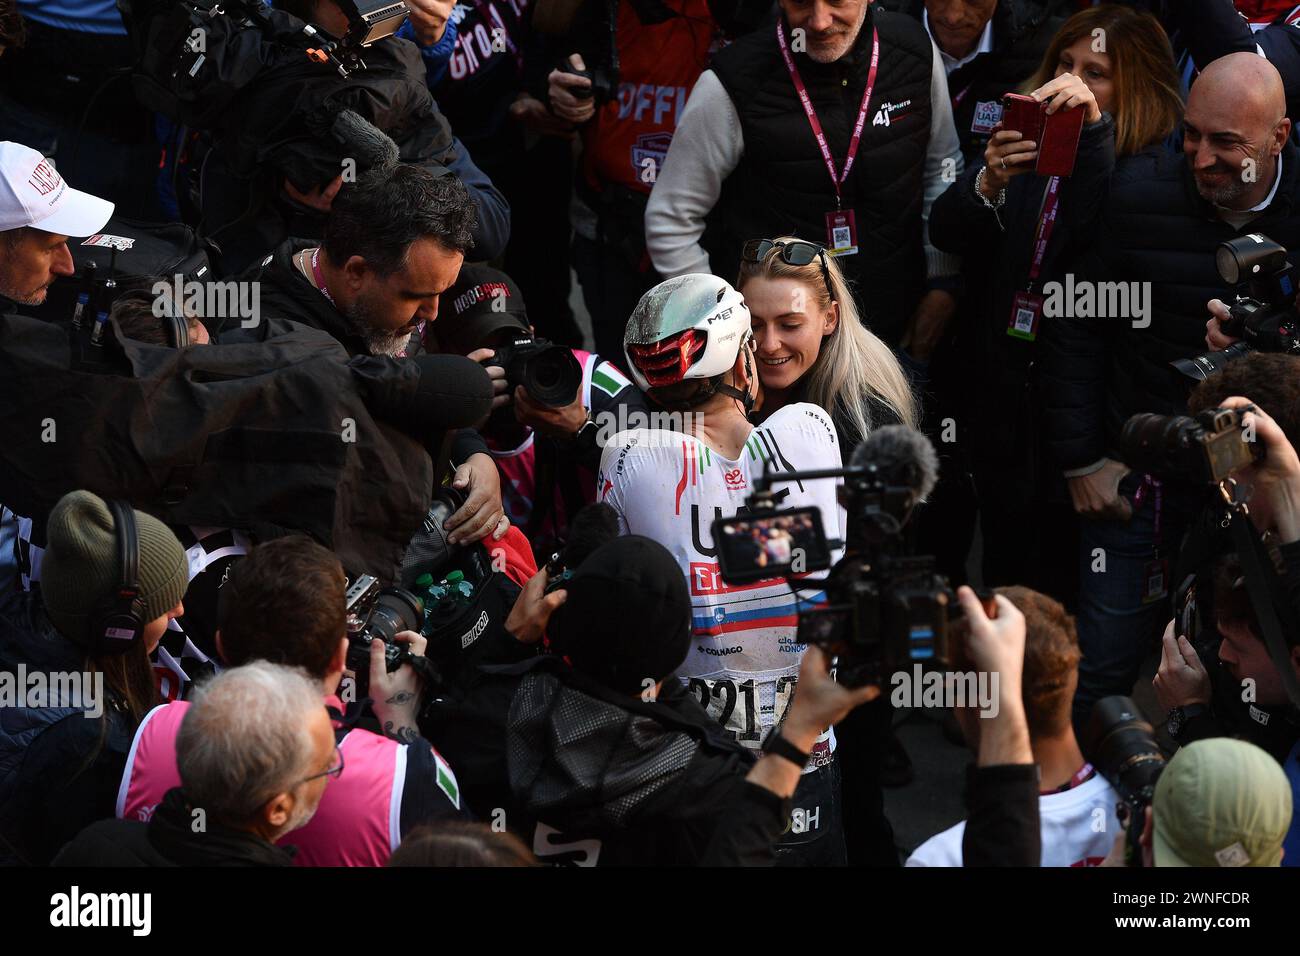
(627, 618)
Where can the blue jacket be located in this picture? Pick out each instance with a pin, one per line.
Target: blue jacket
(59, 767)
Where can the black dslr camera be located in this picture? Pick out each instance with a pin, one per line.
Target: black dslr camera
(378, 614)
(1264, 318)
(1207, 448)
(1122, 746)
(549, 373)
(887, 610)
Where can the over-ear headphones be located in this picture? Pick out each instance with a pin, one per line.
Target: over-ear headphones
(117, 620)
(178, 330)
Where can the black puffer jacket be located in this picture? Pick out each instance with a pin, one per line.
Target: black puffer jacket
(1003, 409)
(1156, 230)
(1022, 29)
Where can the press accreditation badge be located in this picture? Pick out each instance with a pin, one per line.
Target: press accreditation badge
(841, 233)
(988, 114)
(1026, 310)
(1155, 577)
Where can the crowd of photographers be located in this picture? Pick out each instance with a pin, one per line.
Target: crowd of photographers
(945, 353)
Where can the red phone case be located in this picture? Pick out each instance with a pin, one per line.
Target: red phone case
(1057, 135)
(1060, 142)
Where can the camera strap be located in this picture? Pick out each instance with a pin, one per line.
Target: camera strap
(1268, 598)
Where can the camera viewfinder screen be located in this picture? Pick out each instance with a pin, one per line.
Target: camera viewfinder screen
(787, 542)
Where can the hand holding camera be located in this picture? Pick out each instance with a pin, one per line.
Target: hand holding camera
(820, 701)
(396, 694)
(500, 386)
(1276, 474)
(533, 608)
(1181, 679)
(561, 423)
(996, 645)
(570, 91)
(1216, 340)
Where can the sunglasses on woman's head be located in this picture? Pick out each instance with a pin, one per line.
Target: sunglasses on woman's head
(797, 252)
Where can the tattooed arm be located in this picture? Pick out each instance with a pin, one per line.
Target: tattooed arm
(396, 695)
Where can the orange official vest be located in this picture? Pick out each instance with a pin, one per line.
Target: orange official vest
(628, 139)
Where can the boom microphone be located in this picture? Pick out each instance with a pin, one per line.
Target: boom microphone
(425, 394)
(903, 457)
(370, 146)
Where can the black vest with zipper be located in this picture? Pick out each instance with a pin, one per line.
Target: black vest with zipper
(782, 185)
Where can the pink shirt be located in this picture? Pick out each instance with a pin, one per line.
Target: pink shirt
(359, 820)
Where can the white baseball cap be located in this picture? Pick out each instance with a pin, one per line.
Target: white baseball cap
(32, 193)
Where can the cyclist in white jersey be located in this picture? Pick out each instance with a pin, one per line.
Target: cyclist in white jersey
(689, 347)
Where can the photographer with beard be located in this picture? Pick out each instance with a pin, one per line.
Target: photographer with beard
(1154, 242)
(393, 243)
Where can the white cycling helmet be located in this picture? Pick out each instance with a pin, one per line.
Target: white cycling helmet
(690, 326)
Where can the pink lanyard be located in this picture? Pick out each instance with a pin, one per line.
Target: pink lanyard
(804, 98)
(320, 279)
(1046, 221)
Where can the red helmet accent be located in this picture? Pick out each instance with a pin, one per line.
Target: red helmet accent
(666, 362)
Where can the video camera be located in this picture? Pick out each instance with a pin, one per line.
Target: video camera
(549, 373)
(887, 609)
(1123, 748)
(1265, 317)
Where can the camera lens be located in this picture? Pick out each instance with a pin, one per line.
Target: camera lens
(396, 610)
(1159, 444)
(1123, 747)
(552, 377)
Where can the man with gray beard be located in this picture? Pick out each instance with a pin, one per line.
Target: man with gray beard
(1156, 233)
(832, 124)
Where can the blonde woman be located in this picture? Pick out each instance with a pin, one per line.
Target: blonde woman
(811, 346)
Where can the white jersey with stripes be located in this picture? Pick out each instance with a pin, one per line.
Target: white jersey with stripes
(670, 486)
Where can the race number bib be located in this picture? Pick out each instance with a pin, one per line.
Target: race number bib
(736, 706)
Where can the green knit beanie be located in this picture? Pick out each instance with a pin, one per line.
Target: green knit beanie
(80, 567)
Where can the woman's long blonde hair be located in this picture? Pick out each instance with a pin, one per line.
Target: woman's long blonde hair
(853, 365)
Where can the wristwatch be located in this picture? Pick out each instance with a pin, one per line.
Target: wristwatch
(1179, 716)
(585, 438)
(778, 746)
